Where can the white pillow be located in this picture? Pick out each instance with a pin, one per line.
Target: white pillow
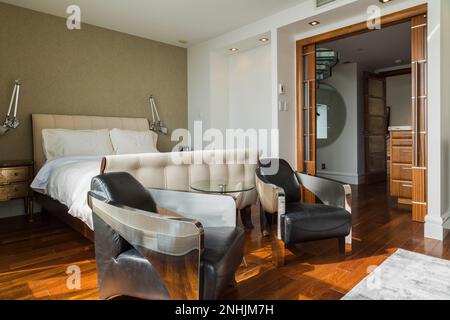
(133, 142)
(62, 143)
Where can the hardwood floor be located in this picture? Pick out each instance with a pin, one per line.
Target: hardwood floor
(34, 257)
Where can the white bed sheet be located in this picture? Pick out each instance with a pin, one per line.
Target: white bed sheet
(68, 181)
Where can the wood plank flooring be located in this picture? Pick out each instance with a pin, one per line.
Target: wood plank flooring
(34, 257)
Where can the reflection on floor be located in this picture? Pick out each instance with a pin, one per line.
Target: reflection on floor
(34, 257)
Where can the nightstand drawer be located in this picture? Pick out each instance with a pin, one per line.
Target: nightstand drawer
(13, 191)
(4, 194)
(12, 175)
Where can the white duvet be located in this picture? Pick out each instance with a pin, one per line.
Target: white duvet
(68, 180)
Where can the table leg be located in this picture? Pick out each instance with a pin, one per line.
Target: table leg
(29, 208)
(246, 218)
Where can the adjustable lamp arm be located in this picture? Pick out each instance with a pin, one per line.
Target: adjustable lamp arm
(12, 122)
(156, 124)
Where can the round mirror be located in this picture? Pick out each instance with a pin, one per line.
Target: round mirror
(331, 115)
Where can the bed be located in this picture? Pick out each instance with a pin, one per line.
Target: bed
(69, 204)
(62, 183)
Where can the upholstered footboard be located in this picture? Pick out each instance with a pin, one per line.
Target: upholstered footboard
(179, 170)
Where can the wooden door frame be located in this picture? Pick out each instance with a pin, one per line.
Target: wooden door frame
(348, 31)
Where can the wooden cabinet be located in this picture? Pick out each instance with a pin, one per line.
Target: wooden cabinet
(15, 180)
(401, 166)
(401, 155)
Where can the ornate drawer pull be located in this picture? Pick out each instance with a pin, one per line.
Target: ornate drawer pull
(407, 185)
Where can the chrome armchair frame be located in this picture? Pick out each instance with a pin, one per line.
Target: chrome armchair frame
(328, 192)
(172, 240)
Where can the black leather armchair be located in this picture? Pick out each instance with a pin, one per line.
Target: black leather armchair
(149, 244)
(279, 190)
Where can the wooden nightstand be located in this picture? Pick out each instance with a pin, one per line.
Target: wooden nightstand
(15, 180)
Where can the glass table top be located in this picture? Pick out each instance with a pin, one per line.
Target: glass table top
(223, 186)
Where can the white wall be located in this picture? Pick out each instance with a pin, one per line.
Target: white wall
(250, 92)
(445, 105)
(199, 86)
(438, 119)
(205, 85)
(250, 89)
(398, 97)
(286, 75)
(219, 115)
(341, 157)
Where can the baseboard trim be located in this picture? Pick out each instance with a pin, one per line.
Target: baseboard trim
(15, 208)
(437, 228)
(344, 177)
(446, 225)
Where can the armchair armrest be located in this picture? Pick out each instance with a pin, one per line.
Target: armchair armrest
(273, 200)
(329, 192)
(210, 209)
(172, 244)
(269, 195)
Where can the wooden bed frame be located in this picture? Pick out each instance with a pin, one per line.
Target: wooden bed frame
(44, 121)
(61, 212)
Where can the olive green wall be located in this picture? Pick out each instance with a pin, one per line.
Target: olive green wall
(92, 71)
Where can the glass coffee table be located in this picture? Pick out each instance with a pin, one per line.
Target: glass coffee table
(223, 186)
(229, 187)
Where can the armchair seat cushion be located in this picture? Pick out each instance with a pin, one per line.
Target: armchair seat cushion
(223, 255)
(308, 222)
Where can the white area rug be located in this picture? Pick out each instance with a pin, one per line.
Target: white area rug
(406, 276)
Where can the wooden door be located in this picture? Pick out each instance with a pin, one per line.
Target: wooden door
(307, 88)
(419, 112)
(375, 128)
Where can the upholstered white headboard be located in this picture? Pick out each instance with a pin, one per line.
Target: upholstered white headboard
(47, 121)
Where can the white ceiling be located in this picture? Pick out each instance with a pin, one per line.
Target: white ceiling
(166, 20)
(335, 16)
(377, 49)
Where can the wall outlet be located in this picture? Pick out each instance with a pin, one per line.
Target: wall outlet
(324, 166)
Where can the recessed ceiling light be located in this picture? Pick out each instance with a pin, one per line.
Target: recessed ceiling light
(234, 49)
(314, 23)
(264, 39)
(385, 1)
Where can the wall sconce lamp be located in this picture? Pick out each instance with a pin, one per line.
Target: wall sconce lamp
(12, 122)
(156, 124)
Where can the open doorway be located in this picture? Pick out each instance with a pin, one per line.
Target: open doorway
(364, 114)
(409, 161)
